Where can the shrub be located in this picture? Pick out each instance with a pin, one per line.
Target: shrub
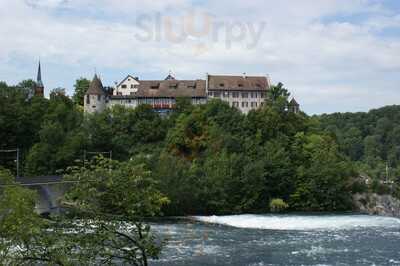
(278, 205)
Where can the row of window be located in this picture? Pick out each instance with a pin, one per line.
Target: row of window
(235, 94)
(172, 86)
(246, 104)
(161, 101)
(124, 86)
(241, 85)
(149, 101)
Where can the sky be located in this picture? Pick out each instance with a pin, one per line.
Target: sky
(333, 55)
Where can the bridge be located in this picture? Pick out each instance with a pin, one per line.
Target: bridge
(50, 190)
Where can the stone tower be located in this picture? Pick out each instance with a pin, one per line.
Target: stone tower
(95, 97)
(39, 88)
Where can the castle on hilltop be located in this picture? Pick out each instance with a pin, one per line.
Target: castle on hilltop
(243, 92)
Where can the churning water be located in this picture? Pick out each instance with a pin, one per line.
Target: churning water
(258, 240)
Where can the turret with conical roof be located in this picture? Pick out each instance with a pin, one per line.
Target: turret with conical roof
(96, 87)
(294, 106)
(95, 96)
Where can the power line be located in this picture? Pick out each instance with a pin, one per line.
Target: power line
(46, 183)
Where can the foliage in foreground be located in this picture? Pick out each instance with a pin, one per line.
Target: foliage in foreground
(104, 223)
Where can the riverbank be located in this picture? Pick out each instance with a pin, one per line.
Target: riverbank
(374, 204)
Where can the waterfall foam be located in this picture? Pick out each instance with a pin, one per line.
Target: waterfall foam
(302, 222)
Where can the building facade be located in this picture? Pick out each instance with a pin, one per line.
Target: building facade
(127, 87)
(245, 93)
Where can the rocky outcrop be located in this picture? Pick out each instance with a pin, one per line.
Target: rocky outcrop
(375, 204)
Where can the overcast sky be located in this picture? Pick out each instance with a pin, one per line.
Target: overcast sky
(333, 55)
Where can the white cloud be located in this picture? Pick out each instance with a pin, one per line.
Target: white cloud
(336, 61)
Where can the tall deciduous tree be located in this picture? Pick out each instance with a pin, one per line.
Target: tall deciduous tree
(81, 86)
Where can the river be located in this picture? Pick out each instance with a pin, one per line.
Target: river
(258, 240)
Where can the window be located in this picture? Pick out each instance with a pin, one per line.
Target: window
(222, 85)
(245, 94)
(254, 104)
(235, 104)
(240, 85)
(87, 99)
(235, 94)
(132, 93)
(123, 86)
(253, 95)
(99, 98)
(262, 95)
(132, 86)
(210, 93)
(225, 94)
(217, 94)
(245, 104)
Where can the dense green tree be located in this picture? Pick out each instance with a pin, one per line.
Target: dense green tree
(18, 221)
(109, 198)
(369, 139)
(61, 140)
(81, 86)
(322, 179)
(116, 197)
(27, 84)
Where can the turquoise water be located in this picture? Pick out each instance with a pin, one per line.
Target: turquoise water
(258, 240)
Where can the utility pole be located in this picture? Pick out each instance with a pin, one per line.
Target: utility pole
(17, 162)
(84, 158)
(387, 171)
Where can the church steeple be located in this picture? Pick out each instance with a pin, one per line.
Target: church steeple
(39, 82)
(39, 87)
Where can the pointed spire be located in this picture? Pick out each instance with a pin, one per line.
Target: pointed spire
(95, 87)
(39, 81)
(170, 76)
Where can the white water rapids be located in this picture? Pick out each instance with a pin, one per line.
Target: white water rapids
(257, 240)
(302, 222)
